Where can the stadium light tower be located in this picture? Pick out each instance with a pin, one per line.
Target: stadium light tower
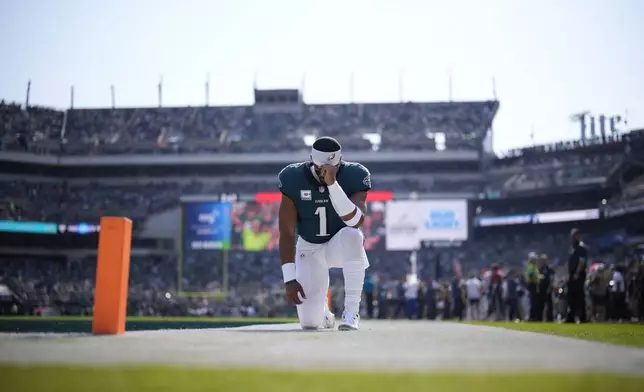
(580, 118)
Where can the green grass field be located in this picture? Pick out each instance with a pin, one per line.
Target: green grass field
(620, 334)
(159, 379)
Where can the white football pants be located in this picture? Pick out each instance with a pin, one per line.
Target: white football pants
(312, 262)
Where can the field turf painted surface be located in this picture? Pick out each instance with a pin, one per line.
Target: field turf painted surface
(159, 379)
(383, 356)
(380, 346)
(621, 334)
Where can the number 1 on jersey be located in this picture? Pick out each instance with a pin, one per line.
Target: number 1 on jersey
(321, 213)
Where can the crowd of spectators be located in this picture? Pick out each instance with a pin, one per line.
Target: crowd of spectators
(565, 164)
(241, 129)
(37, 129)
(59, 201)
(249, 282)
(410, 126)
(246, 281)
(634, 190)
(529, 170)
(33, 198)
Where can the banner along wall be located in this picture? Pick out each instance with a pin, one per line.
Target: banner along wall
(409, 222)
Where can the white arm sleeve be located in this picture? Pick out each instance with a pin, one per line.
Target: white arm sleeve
(341, 203)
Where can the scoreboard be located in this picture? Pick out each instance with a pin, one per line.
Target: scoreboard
(206, 225)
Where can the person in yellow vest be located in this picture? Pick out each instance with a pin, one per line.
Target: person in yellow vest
(255, 237)
(532, 281)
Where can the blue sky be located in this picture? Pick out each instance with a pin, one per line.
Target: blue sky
(550, 58)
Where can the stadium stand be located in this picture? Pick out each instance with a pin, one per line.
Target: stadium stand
(243, 130)
(603, 174)
(36, 129)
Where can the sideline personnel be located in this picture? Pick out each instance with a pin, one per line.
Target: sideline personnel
(545, 289)
(576, 277)
(532, 281)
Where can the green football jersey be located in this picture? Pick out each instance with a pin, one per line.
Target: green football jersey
(317, 220)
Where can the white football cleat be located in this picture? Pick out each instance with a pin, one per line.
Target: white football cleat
(329, 320)
(327, 323)
(349, 322)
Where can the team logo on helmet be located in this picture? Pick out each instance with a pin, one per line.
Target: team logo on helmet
(367, 181)
(330, 157)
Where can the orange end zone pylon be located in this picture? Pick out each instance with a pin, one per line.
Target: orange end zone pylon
(112, 274)
(328, 298)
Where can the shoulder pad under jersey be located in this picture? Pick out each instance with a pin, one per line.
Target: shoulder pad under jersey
(288, 177)
(362, 174)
